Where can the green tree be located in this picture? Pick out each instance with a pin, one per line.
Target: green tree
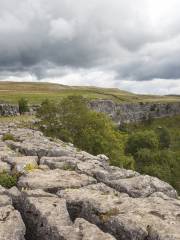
(72, 121)
(163, 164)
(164, 137)
(47, 114)
(23, 105)
(142, 139)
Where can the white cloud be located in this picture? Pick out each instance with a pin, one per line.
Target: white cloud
(61, 29)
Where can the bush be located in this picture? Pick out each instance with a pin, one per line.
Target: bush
(144, 157)
(163, 164)
(8, 136)
(23, 105)
(30, 167)
(143, 139)
(7, 180)
(72, 121)
(164, 137)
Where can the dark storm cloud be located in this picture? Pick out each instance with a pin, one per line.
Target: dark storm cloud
(136, 40)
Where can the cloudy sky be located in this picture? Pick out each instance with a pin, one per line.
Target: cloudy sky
(130, 44)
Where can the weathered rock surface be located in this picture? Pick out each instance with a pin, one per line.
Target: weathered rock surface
(120, 113)
(8, 109)
(123, 216)
(135, 112)
(60, 162)
(11, 224)
(73, 195)
(53, 180)
(89, 231)
(142, 186)
(47, 218)
(20, 164)
(4, 167)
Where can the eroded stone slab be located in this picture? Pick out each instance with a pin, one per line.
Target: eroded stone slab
(4, 167)
(132, 183)
(143, 186)
(22, 163)
(53, 180)
(63, 162)
(11, 224)
(47, 218)
(125, 217)
(88, 231)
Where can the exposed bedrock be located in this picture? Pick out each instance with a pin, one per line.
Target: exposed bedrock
(152, 218)
(135, 112)
(11, 223)
(64, 193)
(119, 112)
(47, 218)
(8, 109)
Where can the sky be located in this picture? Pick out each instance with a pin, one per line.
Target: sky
(129, 44)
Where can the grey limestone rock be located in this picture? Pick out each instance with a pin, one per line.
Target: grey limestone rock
(11, 224)
(53, 180)
(125, 217)
(47, 218)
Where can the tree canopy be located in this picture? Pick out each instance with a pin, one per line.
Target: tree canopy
(72, 121)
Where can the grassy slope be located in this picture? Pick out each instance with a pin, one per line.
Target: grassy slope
(37, 92)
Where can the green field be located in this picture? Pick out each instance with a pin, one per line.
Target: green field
(36, 92)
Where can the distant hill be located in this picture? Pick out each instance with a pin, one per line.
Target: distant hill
(36, 92)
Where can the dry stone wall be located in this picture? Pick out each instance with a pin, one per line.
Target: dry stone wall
(8, 109)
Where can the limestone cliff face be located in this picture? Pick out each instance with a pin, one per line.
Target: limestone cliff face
(135, 112)
(120, 113)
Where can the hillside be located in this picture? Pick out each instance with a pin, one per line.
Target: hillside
(37, 92)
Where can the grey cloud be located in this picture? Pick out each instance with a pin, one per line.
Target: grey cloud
(120, 36)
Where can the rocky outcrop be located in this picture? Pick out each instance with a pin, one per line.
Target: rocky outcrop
(125, 217)
(8, 109)
(135, 112)
(53, 180)
(120, 113)
(67, 194)
(11, 223)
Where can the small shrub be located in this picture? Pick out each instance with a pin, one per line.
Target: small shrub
(23, 105)
(164, 137)
(7, 180)
(30, 167)
(68, 167)
(8, 136)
